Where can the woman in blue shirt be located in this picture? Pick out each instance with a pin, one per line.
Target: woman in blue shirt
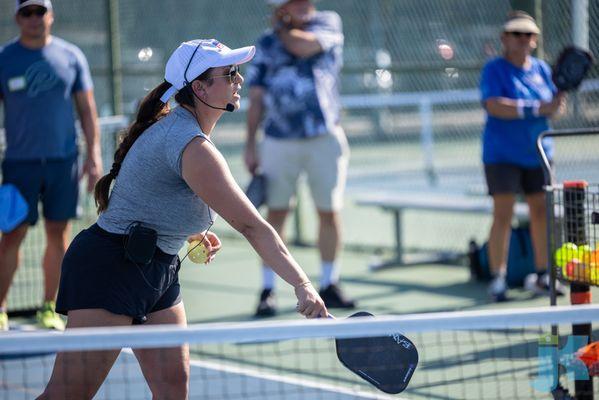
(519, 98)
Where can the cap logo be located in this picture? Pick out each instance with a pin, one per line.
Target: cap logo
(211, 44)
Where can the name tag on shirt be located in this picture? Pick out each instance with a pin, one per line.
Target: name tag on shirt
(17, 83)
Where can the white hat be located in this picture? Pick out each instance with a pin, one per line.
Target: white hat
(521, 22)
(24, 3)
(192, 58)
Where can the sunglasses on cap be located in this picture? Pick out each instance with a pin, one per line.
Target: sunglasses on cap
(233, 72)
(29, 11)
(519, 34)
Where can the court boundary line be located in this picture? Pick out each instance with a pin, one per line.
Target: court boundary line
(289, 380)
(263, 375)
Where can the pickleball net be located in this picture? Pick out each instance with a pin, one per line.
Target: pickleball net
(489, 354)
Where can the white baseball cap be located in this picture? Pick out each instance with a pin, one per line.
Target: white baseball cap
(192, 58)
(25, 3)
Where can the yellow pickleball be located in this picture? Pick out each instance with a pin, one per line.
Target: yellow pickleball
(565, 254)
(197, 252)
(585, 253)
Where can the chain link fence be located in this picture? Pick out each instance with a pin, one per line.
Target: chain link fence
(399, 54)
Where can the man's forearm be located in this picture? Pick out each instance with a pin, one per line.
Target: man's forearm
(88, 117)
(91, 132)
(300, 43)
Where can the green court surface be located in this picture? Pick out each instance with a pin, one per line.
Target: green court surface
(227, 288)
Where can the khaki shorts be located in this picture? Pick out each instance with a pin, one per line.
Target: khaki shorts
(323, 159)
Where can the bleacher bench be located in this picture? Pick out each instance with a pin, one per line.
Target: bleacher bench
(396, 203)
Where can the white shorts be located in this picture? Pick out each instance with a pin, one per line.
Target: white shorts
(324, 159)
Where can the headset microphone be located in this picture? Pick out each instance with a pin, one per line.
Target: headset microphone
(229, 107)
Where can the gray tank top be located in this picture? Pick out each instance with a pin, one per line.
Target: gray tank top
(150, 188)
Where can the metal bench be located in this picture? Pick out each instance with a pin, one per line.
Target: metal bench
(396, 203)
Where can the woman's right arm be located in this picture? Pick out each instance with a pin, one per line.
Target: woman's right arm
(208, 175)
(506, 108)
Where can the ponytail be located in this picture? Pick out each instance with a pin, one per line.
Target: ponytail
(150, 111)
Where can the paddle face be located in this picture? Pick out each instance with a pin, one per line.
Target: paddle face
(571, 67)
(387, 362)
(13, 207)
(256, 190)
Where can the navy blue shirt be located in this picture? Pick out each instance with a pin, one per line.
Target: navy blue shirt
(301, 94)
(513, 141)
(36, 87)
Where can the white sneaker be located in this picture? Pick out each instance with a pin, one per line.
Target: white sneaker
(545, 279)
(531, 284)
(497, 289)
(540, 285)
(560, 288)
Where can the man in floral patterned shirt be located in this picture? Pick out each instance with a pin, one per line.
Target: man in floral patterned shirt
(294, 96)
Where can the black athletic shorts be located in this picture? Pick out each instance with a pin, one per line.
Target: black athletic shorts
(96, 274)
(510, 178)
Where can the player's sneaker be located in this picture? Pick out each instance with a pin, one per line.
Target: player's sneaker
(498, 289)
(539, 285)
(333, 297)
(47, 317)
(267, 306)
(3, 321)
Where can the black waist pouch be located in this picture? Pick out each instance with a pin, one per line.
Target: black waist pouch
(140, 244)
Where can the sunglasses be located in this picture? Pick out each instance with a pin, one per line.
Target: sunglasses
(519, 34)
(232, 75)
(28, 12)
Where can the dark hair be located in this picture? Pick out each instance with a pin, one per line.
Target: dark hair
(151, 110)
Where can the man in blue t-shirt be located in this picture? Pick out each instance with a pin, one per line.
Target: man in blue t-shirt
(519, 98)
(41, 76)
(294, 94)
